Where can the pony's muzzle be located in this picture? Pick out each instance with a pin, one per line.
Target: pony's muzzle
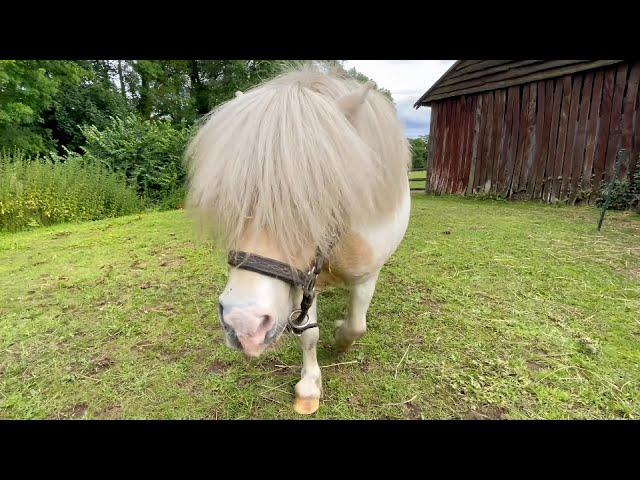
(249, 329)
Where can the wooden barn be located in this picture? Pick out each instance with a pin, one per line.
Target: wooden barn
(532, 129)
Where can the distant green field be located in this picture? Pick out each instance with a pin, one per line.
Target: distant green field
(419, 181)
(489, 309)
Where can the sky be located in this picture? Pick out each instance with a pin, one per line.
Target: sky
(407, 80)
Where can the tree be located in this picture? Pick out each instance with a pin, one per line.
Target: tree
(361, 77)
(45, 103)
(184, 90)
(26, 92)
(85, 96)
(338, 65)
(419, 151)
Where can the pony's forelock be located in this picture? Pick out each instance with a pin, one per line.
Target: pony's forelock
(284, 157)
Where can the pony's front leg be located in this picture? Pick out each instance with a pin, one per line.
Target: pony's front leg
(309, 388)
(355, 324)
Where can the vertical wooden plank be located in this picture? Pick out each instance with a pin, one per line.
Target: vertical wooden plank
(615, 130)
(520, 139)
(481, 140)
(491, 159)
(549, 88)
(455, 164)
(552, 169)
(635, 152)
(513, 94)
(453, 172)
(494, 148)
(474, 122)
(562, 137)
(445, 147)
(537, 136)
(504, 143)
(572, 126)
(603, 130)
(446, 165)
(486, 145)
(501, 101)
(438, 147)
(530, 138)
(542, 138)
(451, 133)
(628, 107)
(433, 141)
(463, 143)
(442, 138)
(476, 136)
(577, 164)
(437, 164)
(592, 129)
(468, 139)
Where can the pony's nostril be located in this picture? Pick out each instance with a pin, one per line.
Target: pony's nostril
(267, 322)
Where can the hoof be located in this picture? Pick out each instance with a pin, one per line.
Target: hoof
(306, 406)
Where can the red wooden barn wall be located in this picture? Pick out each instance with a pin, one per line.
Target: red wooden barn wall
(552, 139)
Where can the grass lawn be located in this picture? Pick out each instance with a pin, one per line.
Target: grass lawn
(417, 179)
(489, 309)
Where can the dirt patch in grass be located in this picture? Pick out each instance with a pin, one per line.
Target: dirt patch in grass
(101, 364)
(487, 412)
(161, 349)
(414, 412)
(535, 366)
(138, 264)
(174, 262)
(189, 385)
(631, 272)
(113, 412)
(218, 367)
(165, 309)
(433, 306)
(75, 412)
(366, 366)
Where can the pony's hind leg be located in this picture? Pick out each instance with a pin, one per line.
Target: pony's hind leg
(355, 325)
(309, 388)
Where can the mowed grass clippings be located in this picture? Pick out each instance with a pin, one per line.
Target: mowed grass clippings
(489, 309)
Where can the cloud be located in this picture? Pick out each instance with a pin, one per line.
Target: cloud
(407, 80)
(416, 122)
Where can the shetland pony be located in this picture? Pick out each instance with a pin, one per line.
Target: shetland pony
(309, 162)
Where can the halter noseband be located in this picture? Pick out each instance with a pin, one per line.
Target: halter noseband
(286, 273)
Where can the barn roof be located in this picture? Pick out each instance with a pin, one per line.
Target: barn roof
(474, 76)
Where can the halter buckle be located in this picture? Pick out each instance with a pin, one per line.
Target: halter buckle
(297, 329)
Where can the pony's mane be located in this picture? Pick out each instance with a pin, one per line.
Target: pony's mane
(287, 159)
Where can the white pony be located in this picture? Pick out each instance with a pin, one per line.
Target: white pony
(306, 163)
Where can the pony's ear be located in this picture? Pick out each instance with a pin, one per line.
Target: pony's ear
(350, 103)
(239, 93)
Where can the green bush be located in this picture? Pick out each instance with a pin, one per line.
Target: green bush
(147, 152)
(625, 194)
(43, 191)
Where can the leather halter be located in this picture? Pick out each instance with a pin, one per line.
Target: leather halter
(288, 274)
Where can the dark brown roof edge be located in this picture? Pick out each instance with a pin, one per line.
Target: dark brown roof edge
(435, 85)
(428, 98)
